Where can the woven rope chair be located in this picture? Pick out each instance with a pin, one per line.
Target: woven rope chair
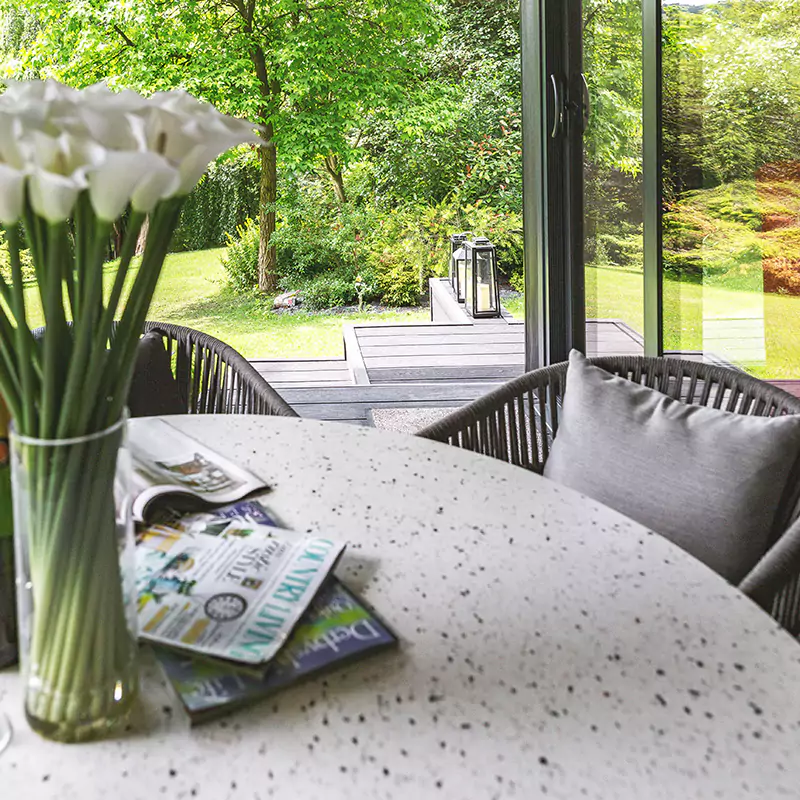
(517, 422)
(213, 378)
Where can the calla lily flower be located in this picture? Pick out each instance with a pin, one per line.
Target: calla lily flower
(53, 195)
(122, 177)
(12, 194)
(124, 147)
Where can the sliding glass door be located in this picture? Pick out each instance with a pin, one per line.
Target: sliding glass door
(613, 186)
(667, 165)
(731, 168)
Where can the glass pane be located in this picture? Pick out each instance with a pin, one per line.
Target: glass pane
(613, 177)
(483, 264)
(731, 128)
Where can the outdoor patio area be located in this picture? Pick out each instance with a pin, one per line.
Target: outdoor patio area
(412, 367)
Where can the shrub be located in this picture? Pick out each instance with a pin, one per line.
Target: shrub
(328, 291)
(503, 229)
(241, 258)
(397, 274)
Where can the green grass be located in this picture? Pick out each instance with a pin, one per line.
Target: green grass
(617, 294)
(192, 291)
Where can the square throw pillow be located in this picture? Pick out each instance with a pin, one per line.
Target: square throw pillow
(154, 390)
(710, 481)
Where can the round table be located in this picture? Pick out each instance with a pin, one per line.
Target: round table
(550, 647)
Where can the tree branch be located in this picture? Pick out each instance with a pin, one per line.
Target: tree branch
(124, 36)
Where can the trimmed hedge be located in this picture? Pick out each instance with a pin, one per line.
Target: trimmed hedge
(222, 202)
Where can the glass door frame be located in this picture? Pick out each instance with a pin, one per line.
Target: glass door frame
(553, 86)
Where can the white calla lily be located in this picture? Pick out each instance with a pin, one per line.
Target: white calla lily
(159, 184)
(122, 177)
(126, 148)
(53, 195)
(12, 194)
(12, 149)
(194, 164)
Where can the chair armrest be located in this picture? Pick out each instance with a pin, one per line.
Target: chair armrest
(778, 569)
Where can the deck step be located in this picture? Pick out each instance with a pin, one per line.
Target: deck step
(354, 403)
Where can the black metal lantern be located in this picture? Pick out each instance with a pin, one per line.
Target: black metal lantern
(481, 290)
(458, 264)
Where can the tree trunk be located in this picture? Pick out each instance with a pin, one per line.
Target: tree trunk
(334, 172)
(267, 258)
(142, 240)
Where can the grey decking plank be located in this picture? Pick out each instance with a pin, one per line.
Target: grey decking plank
(307, 377)
(499, 337)
(352, 352)
(379, 394)
(450, 373)
(477, 359)
(300, 365)
(443, 349)
(422, 329)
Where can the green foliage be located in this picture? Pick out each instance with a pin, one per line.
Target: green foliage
(311, 71)
(517, 281)
(503, 229)
(241, 257)
(315, 234)
(398, 276)
(223, 200)
(328, 291)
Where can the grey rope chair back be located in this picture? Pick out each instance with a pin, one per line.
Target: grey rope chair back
(212, 377)
(517, 422)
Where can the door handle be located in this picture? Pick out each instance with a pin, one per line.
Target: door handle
(558, 108)
(586, 104)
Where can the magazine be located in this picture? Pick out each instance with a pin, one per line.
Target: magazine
(169, 464)
(236, 595)
(337, 628)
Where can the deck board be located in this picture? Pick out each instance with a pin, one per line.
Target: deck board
(418, 365)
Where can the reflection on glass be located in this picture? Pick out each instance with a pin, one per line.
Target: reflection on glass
(731, 149)
(613, 252)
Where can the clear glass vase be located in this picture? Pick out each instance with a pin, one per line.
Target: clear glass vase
(76, 599)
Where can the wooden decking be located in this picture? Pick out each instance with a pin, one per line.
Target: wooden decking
(418, 365)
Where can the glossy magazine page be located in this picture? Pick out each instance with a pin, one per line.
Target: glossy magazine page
(168, 462)
(336, 628)
(236, 595)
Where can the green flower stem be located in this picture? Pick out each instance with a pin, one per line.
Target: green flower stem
(74, 383)
(23, 337)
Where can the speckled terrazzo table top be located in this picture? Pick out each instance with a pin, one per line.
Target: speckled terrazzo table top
(550, 648)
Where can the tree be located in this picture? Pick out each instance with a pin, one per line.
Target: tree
(307, 71)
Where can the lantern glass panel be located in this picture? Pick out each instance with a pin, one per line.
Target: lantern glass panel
(468, 285)
(461, 272)
(485, 281)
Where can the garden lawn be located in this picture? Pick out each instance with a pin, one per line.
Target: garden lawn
(192, 291)
(617, 294)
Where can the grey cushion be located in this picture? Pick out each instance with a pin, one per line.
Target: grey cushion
(154, 390)
(710, 481)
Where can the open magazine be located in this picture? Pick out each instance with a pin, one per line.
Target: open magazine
(174, 468)
(236, 595)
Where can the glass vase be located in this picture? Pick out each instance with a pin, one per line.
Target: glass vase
(76, 600)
